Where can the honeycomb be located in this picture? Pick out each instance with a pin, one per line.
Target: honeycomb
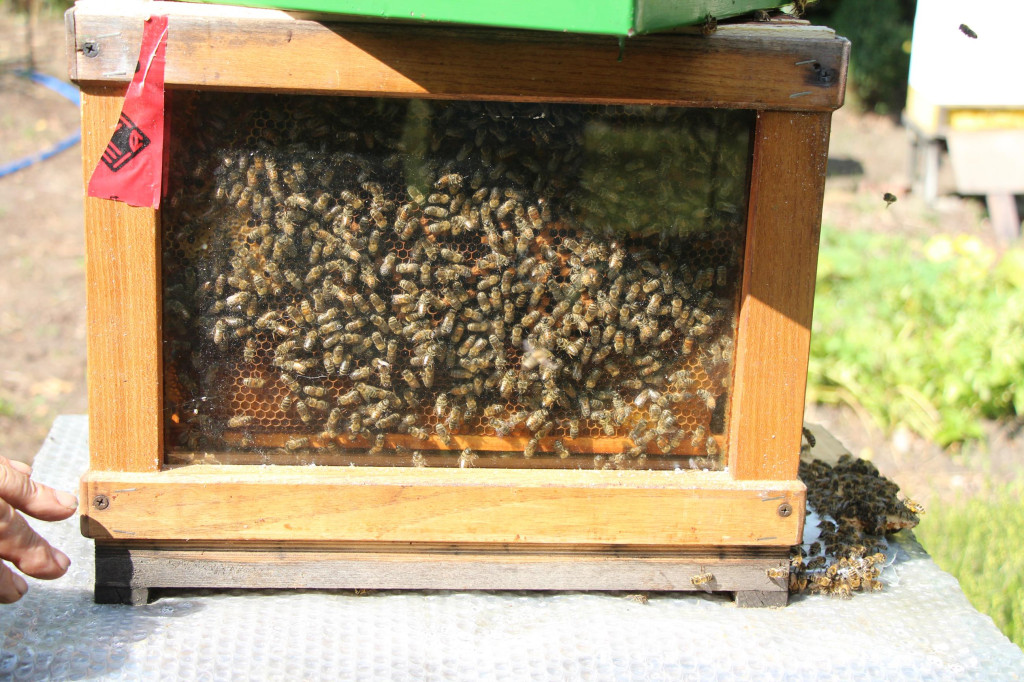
(406, 282)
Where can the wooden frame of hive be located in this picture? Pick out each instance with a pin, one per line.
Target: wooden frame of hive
(379, 527)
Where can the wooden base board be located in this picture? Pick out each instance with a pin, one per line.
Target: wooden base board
(125, 572)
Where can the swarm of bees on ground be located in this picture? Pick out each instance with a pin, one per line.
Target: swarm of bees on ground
(356, 269)
(857, 508)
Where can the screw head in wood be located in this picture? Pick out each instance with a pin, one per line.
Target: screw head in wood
(785, 509)
(90, 49)
(100, 502)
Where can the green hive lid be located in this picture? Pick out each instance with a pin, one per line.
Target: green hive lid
(610, 17)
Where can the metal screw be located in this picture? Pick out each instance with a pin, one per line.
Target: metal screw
(785, 509)
(101, 502)
(90, 49)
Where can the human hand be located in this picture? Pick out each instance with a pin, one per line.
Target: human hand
(21, 545)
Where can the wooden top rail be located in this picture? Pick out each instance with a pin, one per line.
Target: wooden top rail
(748, 66)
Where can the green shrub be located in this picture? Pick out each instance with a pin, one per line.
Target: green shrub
(924, 335)
(979, 542)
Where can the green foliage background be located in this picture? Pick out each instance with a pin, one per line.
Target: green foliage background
(928, 335)
(979, 541)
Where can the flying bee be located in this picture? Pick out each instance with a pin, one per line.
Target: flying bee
(967, 31)
(913, 507)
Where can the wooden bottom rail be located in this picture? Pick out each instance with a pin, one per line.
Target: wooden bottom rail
(125, 572)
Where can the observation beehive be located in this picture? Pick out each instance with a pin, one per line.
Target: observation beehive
(430, 313)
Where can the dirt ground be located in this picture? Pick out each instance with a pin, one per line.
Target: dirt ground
(42, 284)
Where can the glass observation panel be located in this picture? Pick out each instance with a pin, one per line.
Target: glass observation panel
(395, 282)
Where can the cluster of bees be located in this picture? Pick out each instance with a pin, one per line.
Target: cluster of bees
(460, 273)
(857, 508)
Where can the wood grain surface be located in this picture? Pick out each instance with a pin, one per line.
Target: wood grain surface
(774, 332)
(122, 245)
(211, 46)
(153, 565)
(440, 505)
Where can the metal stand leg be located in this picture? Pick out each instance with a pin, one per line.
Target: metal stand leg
(1002, 211)
(932, 152)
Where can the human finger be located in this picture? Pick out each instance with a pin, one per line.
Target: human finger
(20, 466)
(12, 586)
(35, 499)
(26, 549)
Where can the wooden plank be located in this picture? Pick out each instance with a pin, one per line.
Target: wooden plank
(755, 599)
(123, 299)
(125, 566)
(213, 46)
(826, 447)
(774, 331)
(434, 458)
(481, 443)
(1002, 213)
(70, 46)
(441, 505)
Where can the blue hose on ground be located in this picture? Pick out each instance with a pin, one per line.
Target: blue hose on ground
(70, 93)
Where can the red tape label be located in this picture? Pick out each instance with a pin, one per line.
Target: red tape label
(132, 166)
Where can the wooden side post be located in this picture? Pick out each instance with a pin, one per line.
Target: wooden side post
(124, 319)
(783, 224)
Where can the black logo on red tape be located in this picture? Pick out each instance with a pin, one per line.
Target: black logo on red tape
(125, 144)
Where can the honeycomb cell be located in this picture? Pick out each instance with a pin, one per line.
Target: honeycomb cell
(349, 280)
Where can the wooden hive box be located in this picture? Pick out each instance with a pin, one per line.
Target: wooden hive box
(453, 308)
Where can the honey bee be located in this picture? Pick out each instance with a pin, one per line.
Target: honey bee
(698, 438)
(303, 411)
(451, 180)
(913, 507)
(314, 391)
(254, 382)
(318, 405)
(711, 445)
(442, 432)
(467, 458)
(702, 579)
(240, 421)
(776, 572)
(707, 398)
(560, 448)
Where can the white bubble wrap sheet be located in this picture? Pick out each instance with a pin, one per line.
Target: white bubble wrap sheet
(920, 628)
